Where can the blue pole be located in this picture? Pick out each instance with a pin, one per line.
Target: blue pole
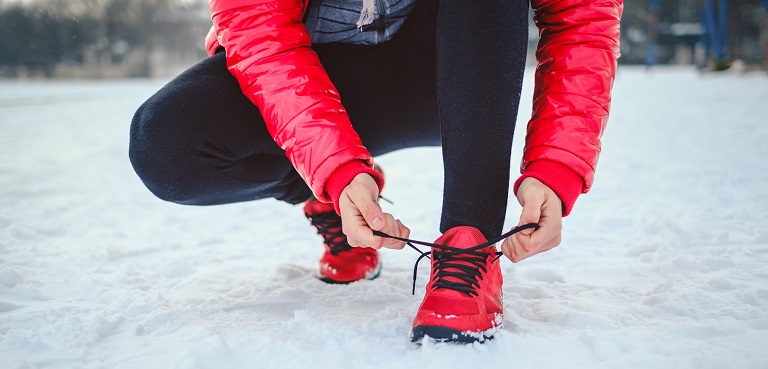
(651, 55)
(714, 35)
(722, 18)
(705, 35)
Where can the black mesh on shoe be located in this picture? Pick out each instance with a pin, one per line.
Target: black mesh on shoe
(329, 227)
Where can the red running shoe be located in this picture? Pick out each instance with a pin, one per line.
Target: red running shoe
(341, 263)
(463, 302)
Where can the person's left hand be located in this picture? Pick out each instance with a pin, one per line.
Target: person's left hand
(540, 205)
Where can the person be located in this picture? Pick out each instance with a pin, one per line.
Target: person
(297, 98)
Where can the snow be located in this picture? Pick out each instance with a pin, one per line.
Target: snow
(663, 264)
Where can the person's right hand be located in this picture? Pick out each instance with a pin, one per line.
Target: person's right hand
(361, 215)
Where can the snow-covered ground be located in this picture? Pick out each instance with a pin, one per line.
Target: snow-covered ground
(663, 265)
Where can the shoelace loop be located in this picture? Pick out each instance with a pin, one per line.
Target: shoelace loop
(465, 274)
(329, 227)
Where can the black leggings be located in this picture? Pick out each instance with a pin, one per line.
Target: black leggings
(451, 76)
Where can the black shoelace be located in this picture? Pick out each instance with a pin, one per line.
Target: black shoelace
(463, 265)
(329, 227)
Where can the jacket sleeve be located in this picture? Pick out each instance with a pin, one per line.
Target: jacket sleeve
(268, 51)
(576, 56)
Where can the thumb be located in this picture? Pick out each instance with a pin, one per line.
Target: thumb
(372, 213)
(363, 193)
(531, 214)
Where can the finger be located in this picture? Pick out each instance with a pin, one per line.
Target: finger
(392, 228)
(525, 244)
(355, 206)
(544, 236)
(402, 232)
(522, 247)
(512, 248)
(531, 214)
(359, 243)
(369, 209)
(550, 223)
(357, 230)
(506, 249)
(550, 227)
(405, 232)
(513, 251)
(546, 247)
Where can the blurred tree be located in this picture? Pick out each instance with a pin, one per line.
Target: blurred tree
(681, 35)
(15, 25)
(37, 36)
(745, 21)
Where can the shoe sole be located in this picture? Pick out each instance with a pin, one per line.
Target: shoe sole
(445, 334)
(374, 275)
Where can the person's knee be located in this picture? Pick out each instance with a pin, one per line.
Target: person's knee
(150, 153)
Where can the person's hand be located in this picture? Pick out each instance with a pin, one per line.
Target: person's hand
(361, 215)
(540, 205)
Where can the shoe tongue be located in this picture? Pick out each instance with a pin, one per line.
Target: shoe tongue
(461, 237)
(315, 207)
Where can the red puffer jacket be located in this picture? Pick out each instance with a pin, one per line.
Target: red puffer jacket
(268, 51)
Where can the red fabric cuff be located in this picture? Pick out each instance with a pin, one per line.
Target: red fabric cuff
(345, 174)
(565, 182)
